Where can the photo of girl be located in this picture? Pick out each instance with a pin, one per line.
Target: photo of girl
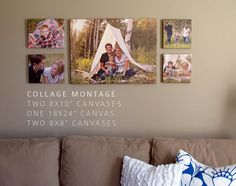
(46, 69)
(54, 73)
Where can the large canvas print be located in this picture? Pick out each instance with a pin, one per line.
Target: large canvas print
(46, 68)
(177, 68)
(177, 33)
(113, 51)
(45, 33)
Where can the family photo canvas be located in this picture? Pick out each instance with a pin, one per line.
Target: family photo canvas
(177, 68)
(113, 51)
(45, 33)
(177, 33)
(46, 68)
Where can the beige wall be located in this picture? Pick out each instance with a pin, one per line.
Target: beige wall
(204, 108)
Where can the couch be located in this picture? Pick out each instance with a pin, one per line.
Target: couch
(97, 161)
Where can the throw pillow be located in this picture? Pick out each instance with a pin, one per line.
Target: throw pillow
(136, 172)
(198, 174)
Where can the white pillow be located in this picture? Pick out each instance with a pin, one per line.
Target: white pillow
(139, 173)
(198, 174)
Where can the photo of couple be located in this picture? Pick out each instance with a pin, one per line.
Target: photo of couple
(113, 63)
(113, 51)
(46, 69)
(177, 33)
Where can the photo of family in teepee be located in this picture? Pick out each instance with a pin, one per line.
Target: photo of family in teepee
(113, 51)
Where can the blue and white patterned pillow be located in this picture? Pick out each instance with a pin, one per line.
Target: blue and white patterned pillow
(198, 174)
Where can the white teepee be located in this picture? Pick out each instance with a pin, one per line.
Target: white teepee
(128, 34)
(113, 35)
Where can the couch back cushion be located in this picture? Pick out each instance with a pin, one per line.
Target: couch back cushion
(214, 152)
(29, 162)
(97, 161)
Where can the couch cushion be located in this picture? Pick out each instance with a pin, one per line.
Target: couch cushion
(97, 161)
(139, 173)
(29, 162)
(214, 152)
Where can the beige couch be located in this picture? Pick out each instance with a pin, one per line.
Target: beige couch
(96, 161)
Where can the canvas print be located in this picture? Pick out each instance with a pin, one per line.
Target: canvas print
(45, 33)
(177, 68)
(177, 33)
(113, 51)
(46, 68)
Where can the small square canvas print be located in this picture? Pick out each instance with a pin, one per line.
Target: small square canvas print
(177, 68)
(45, 33)
(113, 51)
(177, 33)
(46, 69)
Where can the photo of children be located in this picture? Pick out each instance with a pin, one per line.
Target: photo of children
(45, 33)
(177, 68)
(46, 69)
(177, 33)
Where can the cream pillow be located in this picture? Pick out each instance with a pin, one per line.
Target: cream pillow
(136, 172)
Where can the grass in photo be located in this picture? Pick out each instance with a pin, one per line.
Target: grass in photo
(177, 33)
(113, 51)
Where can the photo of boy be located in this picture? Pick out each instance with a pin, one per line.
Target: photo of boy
(46, 39)
(169, 70)
(45, 33)
(111, 66)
